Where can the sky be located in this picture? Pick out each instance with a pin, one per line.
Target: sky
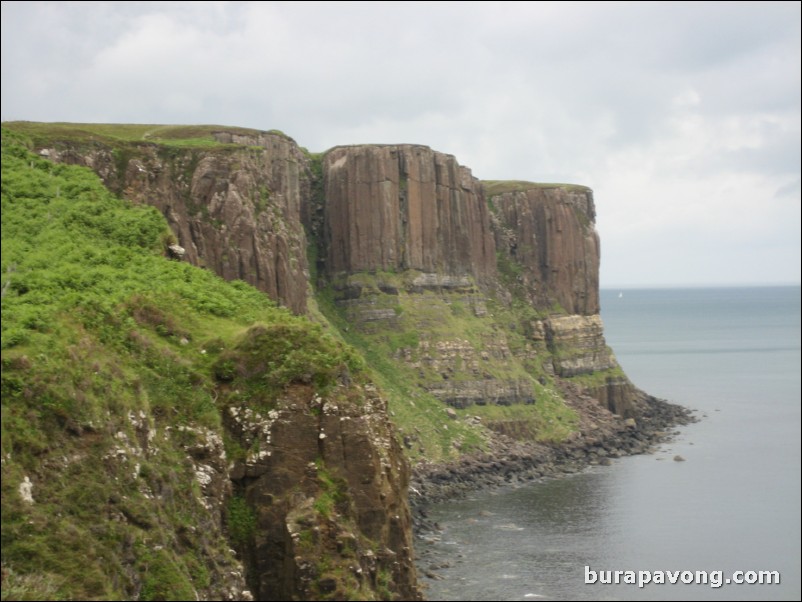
(684, 118)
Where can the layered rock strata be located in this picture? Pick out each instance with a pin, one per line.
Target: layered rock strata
(547, 239)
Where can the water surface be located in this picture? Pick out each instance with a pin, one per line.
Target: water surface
(734, 505)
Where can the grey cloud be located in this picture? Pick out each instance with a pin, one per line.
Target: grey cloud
(601, 93)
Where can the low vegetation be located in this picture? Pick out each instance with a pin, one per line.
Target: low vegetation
(491, 340)
(496, 187)
(45, 134)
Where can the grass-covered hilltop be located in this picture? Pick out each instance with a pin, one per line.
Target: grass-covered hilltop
(221, 355)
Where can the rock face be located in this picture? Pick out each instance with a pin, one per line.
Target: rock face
(546, 237)
(578, 348)
(235, 210)
(619, 396)
(404, 207)
(549, 232)
(462, 394)
(577, 345)
(327, 481)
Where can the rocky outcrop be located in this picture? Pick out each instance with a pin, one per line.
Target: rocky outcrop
(577, 345)
(549, 250)
(465, 393)
(327, 483)
(619, 395)
(549, 234)
(235, 210)
(404, 207)
(578, 349)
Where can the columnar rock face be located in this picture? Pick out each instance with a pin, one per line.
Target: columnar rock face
(549, 232)
(404, 207)
(235, 210)
(619, 396)
(546, 234)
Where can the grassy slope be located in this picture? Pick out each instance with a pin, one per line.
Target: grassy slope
(104, 339)
(42, 134)
(394, 351)
(496, 187)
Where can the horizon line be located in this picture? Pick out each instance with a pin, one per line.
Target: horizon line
(697, 285)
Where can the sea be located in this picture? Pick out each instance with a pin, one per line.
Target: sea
(728, 511)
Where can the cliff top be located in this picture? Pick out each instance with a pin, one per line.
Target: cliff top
(171, 135)
(387, 145)
(497, 187)
(203, 136)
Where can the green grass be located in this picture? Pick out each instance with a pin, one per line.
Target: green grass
(552, 421)
(599, 378)
(333, 496)
(394, 352)
(415, 412)
(496, 187)
(241, 520)
(181, 136)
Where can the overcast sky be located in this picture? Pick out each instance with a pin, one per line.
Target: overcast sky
(683, 117)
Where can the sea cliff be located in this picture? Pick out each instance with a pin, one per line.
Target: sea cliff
(434, 327)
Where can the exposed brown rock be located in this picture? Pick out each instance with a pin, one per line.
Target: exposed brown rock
(343, 447)
(549, 232)
(619, 396)
(404, 207)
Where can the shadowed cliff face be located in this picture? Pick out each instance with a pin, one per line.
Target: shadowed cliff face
(404, 207)
(549, 232)
(235, 210)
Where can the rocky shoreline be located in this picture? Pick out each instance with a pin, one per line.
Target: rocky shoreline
(511, 462)
(602, 437)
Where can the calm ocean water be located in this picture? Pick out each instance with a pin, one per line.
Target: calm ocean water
(734, 505)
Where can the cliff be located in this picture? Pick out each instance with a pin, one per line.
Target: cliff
(251, 451)
(169, 435)
(549, 250)
(398, 221)
(234, 207)
(404, 207)
(548, 231)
